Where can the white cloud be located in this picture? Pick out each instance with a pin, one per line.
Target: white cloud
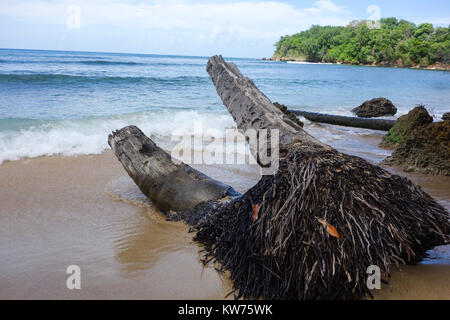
(234, 25)
(442, 22)
(325, 6)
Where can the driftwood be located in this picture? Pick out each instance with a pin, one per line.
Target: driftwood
(309, 231)
(171, 185)
(375, 124)
(249, 107)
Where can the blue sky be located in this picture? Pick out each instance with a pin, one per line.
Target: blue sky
(238, 28)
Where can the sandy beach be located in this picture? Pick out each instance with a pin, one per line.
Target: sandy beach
(59, 211)
(149, 152)
(85, 210)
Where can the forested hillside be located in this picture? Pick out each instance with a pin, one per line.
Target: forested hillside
(396, 43)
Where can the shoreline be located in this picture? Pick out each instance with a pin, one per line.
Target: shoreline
(61, 210)
(84, 210)
(433, 67)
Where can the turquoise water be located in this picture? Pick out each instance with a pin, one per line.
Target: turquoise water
(55, 102)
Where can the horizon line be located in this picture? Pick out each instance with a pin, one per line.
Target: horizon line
(131, 53)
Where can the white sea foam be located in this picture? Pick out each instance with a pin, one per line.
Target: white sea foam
(89, 136)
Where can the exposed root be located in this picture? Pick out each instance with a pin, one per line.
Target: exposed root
(284, 251)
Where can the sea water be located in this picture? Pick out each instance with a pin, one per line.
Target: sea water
(59, 211)
(66, 103)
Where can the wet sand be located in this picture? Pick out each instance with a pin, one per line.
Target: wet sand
(59, 211)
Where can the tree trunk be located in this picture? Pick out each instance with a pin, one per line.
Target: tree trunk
(375, 124)
(171, 185)
(250, 108)
(309, 231)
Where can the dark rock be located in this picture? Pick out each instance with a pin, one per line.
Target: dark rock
(375, 108)
(446, 116)
(423, 145)
(405, 126)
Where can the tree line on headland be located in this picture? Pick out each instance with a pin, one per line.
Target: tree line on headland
(395, 43)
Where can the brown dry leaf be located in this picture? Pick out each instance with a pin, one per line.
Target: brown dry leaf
(255, 213)
(330, 229)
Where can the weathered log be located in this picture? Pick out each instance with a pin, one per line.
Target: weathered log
(366, 123)
(171, 185)
(310, 230)
(250, 108)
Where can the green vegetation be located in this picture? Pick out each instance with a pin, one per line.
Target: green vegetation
(397, 42)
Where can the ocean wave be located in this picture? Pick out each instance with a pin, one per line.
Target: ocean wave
(99, 62)
(313, 83)
(131, 63)
(88, 62)
(89, 135)
(44, 78)
(106, 62)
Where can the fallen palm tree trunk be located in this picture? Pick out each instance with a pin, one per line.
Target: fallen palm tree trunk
(171, 185)
(311, 230)
(375, 124)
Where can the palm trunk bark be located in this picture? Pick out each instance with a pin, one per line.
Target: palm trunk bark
(374, 124)
(171, 185)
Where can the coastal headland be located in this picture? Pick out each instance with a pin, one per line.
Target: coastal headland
(395, 43)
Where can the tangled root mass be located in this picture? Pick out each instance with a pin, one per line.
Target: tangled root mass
(286, 251)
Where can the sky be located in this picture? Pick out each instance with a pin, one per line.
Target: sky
(233, 28)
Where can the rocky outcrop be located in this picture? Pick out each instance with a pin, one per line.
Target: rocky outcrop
(405, 126)
(422, 145)
(285, 59)
(375, 108)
